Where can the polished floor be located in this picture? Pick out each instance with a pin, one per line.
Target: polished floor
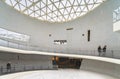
(57, 74)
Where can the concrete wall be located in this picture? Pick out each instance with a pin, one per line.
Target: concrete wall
(101, 67)
(20, 62)
(98, 21)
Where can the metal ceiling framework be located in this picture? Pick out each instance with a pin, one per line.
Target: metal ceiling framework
(54, 10)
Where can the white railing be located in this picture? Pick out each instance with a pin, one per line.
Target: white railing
(13, 69)
(108, 53)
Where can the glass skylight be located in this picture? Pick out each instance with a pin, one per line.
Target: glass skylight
(54, 10)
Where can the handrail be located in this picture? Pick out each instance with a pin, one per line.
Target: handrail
(108, 53)
(13, 69)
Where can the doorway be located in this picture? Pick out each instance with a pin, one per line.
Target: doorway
(66, 62)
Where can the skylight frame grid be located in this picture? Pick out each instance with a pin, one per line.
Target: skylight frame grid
(74, 6)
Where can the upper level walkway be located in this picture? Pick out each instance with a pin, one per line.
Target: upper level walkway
(112, 56)
(72, 55)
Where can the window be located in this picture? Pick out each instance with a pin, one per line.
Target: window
(13, 35)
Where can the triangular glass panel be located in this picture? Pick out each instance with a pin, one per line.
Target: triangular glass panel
(63, 2)
(38, 4)
(61, 5)
(36, 15)
(13, 2)
(30, 11)
(75, 8)
(42, 4)
(72, 11)
(76, 2)
(91, 2)
(68, 3)
(38, 12)
(50, 7)
(87, 1)
(90, 7)
(36, 8)
(32, 15)
(26, 12)
(48, 10)
(71, 1)
(8, 2)
(17, 7)
(85, 9)
(28, 3)
(57, 4)
(82, 2)
(82, 8)
(65, 12)
(22, 2)
(32, 8)
(48, 1)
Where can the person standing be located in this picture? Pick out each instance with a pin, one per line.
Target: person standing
(104, 50)
(99, 50)
(8, 67)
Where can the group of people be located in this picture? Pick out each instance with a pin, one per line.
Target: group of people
(102, 51)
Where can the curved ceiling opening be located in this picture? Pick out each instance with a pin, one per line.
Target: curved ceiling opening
(54, 10)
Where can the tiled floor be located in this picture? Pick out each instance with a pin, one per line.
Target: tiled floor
(57, 74)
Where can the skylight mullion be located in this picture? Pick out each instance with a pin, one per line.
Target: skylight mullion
(74, 9)
(33, 3)
(16, 3)
(86, 4)
(42, 15)
(34, 10)
(46, 8)
(70, 9)
(30, 13)
(77, 7)
(26, 7)
(59, 9)
(64, 7)
(50, 9)
(11, 3)
(56, 8)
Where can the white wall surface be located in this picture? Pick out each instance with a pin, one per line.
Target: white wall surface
(57, 74)
(101, 67)
(99, 21)
(24, 62)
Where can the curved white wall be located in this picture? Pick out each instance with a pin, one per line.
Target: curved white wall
(101, 67)
(92, 66)
(23, 62)
(98, 21)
